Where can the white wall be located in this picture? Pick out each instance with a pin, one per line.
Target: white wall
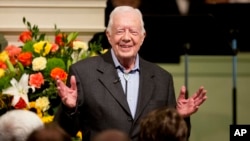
(83, 16)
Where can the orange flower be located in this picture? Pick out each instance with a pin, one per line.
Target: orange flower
(25, 58)
(58, 72)
(25, 36)
(36, 80)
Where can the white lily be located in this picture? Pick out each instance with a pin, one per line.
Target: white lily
(19, 89)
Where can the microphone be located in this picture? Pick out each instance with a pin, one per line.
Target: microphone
(116, 80)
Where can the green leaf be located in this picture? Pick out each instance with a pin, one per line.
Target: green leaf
(72, 36)
(20, 66)
(24, 20)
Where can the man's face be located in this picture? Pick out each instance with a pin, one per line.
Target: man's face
(126, 36)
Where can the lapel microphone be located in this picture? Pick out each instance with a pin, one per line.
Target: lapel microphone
(116, 80)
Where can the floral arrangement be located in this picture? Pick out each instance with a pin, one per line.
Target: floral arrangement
(28, 72)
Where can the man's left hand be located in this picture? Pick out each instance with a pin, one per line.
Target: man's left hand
(187, 107)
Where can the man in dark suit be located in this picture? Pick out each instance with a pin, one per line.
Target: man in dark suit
(117, 89)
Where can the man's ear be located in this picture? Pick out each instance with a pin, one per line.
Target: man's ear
(144, 35)
(108, 34)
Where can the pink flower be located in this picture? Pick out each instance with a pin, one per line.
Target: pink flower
(36, 80)
(54, 47)
(13, 52)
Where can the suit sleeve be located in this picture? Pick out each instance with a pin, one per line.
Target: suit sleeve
(68, 119)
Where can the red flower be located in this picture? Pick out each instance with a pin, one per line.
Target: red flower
(60, 39)
(25, 58)
(20, 104)
(36, 80)
(3, 65)
(25, 36)
(58, 72)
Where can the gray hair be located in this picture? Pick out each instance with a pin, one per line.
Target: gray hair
(17, 125)
(122, 9)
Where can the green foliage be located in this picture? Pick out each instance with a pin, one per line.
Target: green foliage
(4, 82)
(53, 63)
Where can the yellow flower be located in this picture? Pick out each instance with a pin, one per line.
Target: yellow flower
(2, 72)
(39, 63)
(42, 47)
(79, 134)
(4, 56)
(43, 103)
(104, 51)
(92, 54)
(47, 119)
(32, 105)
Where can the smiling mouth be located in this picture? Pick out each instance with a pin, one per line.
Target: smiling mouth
(125, 46)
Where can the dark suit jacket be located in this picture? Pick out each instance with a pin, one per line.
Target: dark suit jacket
(101, 100)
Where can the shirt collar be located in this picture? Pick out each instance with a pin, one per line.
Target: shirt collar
(118, 65)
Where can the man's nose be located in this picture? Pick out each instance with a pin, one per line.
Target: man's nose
(126, 36)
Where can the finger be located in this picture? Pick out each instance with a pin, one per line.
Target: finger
(60, 87)
(198, 93)
(182, 93)
(200, 102)
(201, 99)
(201, 94)
(59, 82)
(73, 82)
(64, 100)
(57, 77)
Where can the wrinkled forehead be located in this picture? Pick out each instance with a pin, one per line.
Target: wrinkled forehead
(127, 19)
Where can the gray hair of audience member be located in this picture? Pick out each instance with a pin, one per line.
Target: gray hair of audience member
(17, 125)
(124, 10)
(111, 135)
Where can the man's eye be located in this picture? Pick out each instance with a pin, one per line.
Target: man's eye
(120, 32)
(134, 32)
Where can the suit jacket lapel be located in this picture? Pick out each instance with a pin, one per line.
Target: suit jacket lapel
(146, 87)
(112, 82)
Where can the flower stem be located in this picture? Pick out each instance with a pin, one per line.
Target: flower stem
(10, 66)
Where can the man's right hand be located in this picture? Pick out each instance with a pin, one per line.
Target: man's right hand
(68, 95)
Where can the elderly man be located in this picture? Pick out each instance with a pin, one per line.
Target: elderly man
(117, 89)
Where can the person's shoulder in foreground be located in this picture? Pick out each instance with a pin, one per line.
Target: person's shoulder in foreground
(163, 124)
(51, 132)
(111, 135)
(16, 125)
